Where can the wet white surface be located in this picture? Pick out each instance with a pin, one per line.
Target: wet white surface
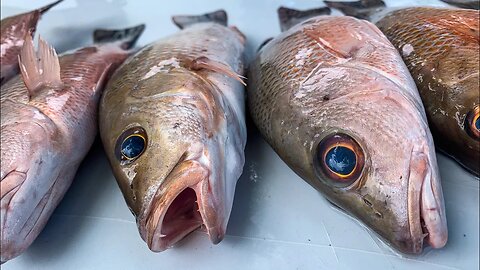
(277, 222)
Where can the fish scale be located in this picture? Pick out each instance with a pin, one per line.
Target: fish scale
(334, 77)
(53, 104)
(182, 95)
(441, 49)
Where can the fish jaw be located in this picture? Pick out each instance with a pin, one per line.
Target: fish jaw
(182, 204)
(426, 216)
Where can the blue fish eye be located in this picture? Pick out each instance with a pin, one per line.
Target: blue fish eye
(477, 123)
(341, 160)
(133, 146)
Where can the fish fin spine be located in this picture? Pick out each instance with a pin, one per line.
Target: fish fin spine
(39, 69)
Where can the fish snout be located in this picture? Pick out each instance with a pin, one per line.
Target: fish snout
(427, 217)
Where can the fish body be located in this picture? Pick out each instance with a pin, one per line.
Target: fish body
(48, 124)
(333, 98)
(13, 32)
(173, 127)
(441, 49)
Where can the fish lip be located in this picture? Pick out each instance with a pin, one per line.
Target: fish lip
(194, 178)
(427, 216)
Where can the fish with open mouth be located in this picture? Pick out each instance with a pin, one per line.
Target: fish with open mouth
(334, 99)
(48, 124)
(441, 49)
(173, 127)
(13, 32)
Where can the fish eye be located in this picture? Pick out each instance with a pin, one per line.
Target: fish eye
(472, 123)
(340, 159)
(131, 144)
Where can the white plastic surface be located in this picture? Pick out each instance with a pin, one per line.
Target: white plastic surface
(277, 222)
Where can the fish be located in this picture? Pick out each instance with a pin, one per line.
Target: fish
(48, 124)
(13, 32)
(471, 4)
(441, 50)
(172, 122)
(335, 101)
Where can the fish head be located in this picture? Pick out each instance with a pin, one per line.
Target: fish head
(454, 110)
(28, 175)
(371, 153)
(167, 147)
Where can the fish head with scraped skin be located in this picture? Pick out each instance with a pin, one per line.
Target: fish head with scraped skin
(352, 135)
(163, 136)
(453, 106)
(30, 147)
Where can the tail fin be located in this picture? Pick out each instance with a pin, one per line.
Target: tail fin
(218, 16)
(289, 17)
(470, 4)
(47, 7)
(362, 9)
(127, 36)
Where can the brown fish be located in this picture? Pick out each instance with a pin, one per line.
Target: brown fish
(173, 126)
(441, 49)
(334, 99)
(48, 123)
(13, 32)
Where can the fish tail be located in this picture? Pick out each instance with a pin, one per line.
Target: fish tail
(362, 9)
(47, 7)
(218, 16)
(289, 17)
(127, 36)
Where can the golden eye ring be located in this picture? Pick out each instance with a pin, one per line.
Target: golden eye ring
(340, 159)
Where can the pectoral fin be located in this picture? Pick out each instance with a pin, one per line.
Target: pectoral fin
(206, 63)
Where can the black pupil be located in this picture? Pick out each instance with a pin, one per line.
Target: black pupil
(341, 160)
(477, 123)
(133, 146)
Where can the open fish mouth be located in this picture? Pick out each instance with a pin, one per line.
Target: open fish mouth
(176, 220)
(178, 208)
(427, 211)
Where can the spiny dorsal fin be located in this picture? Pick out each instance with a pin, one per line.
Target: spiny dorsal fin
(218, 16)
(41, 69)
(289, 17)
(363, 9)
(206, 63)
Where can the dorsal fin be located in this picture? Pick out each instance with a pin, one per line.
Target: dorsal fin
(218, 16)
(127, 36)
(289, 17)
(39, 69)
(363, 9)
